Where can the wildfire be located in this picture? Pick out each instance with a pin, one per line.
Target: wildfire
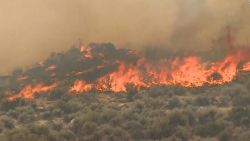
(80, 86)
(246, 67)
(29, 91)
(186, 71)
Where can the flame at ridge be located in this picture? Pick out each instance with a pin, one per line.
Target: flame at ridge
(186, 71)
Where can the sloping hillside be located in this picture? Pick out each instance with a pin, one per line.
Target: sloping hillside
(37, 104)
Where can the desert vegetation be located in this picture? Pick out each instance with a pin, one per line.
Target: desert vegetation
(159, 113)
(218, 113)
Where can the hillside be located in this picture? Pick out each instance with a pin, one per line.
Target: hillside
(74, 96)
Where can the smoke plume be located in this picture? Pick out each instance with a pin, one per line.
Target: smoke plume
(30, 29)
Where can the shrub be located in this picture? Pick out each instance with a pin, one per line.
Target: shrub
(210, 129)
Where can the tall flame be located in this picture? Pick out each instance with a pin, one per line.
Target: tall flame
(186, 71)
(80, 86)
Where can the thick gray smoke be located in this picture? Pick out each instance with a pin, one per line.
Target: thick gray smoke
(30, 29)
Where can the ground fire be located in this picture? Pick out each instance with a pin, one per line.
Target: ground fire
(103, 68)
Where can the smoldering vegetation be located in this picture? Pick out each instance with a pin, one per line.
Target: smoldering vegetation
(164, 113)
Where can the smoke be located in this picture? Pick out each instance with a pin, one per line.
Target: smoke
(30, 29)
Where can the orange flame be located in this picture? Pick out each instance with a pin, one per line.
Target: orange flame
(80, 86)
(246, 67)
(188, 72)
(120, 78)
(28, 91)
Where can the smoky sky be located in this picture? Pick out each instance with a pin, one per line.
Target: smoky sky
(30, 30)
